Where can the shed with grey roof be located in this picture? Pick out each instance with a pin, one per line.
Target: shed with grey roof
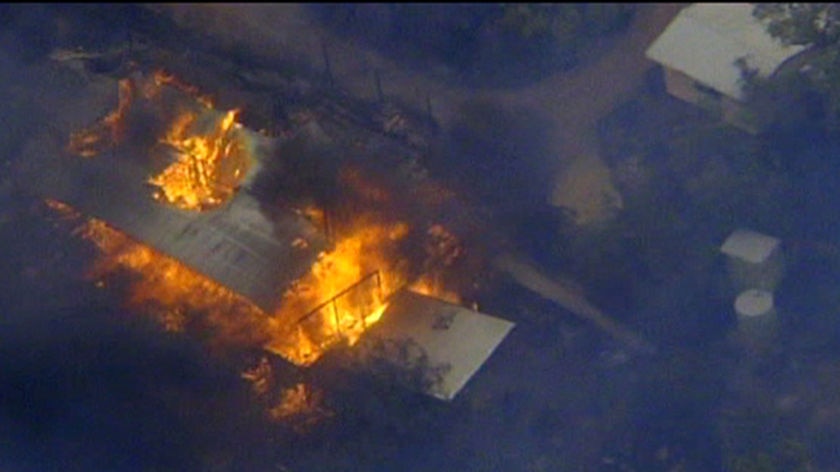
(699, 51)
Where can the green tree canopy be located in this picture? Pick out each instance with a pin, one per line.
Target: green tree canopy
(811, 90)
(802, 23)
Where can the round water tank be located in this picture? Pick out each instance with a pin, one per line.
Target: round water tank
(757, 319)
(753, 302)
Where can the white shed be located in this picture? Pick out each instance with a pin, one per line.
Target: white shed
(698, 52)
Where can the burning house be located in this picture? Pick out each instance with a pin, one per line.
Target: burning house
(194, 206)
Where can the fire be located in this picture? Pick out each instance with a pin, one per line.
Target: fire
(208, 167)
(346, 289)
(343, 294)
(161, 78)
(172, 292)
(108, 132)
(210, 153)
(300, 405)
(211, 156)
(300, 401)
(433, 286)
(178, 297)
(261, 377)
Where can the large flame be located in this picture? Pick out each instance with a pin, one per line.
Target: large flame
(343, 294)
(171, 292)
(210, 157)
(311, 319)
(208, 167)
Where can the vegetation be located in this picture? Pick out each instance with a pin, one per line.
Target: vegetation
(809, 95)
(802, 23)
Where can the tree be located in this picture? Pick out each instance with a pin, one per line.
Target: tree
(817, 82)
(801, 23)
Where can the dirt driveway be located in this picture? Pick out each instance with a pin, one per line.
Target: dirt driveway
(574, 101)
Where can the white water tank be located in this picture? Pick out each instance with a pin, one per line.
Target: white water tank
(757, 317)
(754, 260)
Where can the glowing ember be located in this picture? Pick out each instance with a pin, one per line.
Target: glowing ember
(261, 377)
(161, 78)
(172, 292)
(108, 132)
(208, 167)
(65, 211)
(296, 400)
(433, 286)
(301, 405)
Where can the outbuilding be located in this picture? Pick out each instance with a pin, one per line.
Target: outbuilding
(699, 53)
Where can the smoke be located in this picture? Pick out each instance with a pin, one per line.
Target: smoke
(84, 385)
(85, 388)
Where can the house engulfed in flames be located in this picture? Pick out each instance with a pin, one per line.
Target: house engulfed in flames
(168, 188)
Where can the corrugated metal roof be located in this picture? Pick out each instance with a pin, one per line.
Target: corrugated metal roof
(243, 245)
(705, 40)
(453, 341)
(750, 246)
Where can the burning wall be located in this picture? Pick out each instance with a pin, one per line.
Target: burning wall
(208, 158)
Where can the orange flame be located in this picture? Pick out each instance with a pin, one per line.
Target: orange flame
(300, 404)
(344, 293)
(178, 297)
(162, 77)
(433, 287)
(109, 131)
(210, 156)
(172, 292)
(207, 169)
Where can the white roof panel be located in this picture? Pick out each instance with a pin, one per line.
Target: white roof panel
(749, 246)
(244, 245)
(453, 341)
(705, 40)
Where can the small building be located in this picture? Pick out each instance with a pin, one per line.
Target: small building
(755, 260)
(699, 51)
(249, 245)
